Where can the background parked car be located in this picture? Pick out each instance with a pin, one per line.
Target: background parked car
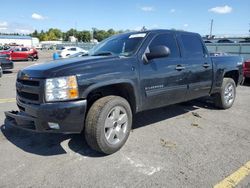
(79, 54)
(225, 41)
(5, 62)
(21, 53)
(4, 47)
(70, 50)
(246, 69)
(244, 41)
(218, 54)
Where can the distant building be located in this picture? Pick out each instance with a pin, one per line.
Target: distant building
(18, 40)
(95, 41)
(72, 39)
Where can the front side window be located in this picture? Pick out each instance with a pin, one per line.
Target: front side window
(167, 40)
(72, 49)
(192, 46)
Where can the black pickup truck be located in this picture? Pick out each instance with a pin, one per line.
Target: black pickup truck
(125, 74)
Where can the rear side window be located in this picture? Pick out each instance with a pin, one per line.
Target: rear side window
(17, 50)
(24, 49)
(192, 46)
(167, 40)
(72, 49)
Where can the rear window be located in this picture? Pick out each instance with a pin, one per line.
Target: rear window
(192, 46)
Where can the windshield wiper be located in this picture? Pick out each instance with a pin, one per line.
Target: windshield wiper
(103, 54)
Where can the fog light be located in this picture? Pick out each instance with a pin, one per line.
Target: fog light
(53, 125)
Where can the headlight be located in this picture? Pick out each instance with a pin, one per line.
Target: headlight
(60, 89)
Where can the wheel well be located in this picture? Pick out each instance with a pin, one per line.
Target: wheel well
(123, 90)
(232, 74)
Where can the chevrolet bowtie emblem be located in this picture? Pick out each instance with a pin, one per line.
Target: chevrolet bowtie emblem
(25, 77)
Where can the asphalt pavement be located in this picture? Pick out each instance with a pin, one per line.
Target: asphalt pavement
(190, 144)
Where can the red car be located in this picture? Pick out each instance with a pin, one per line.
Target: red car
(246, 69)
(21, 53)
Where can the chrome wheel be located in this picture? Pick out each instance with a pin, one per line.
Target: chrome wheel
(116, 124)
(229, 94)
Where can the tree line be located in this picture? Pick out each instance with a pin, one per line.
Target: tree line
(82, 36)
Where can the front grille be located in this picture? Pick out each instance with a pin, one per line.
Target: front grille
(20, 107)
(29, 90)
(30, 96)
(29, 82)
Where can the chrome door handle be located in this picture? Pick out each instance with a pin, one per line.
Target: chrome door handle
(206, 65)
(179, 67)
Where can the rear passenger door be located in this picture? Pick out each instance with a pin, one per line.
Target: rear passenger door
(24, 53)
(199, 65)
(163, 80)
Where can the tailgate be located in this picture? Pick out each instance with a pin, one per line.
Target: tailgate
(247, 64)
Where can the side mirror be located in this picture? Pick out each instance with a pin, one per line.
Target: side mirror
(158, 52)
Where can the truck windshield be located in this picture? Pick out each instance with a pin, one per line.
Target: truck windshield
(122, 45)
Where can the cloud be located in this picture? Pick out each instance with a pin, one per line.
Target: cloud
(185, 25)
(37, 16)
(148, 9)
(221, 9)
(172, 10)
(15, 27)
(24, 31)
(3, 24)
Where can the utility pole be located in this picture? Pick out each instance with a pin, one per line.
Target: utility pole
(249, 29)
(75, 35)
(92, 34)
(211, 28)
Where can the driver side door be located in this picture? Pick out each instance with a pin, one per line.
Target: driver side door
(15, 55)
(163, 80)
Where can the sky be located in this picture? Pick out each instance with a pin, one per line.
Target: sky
(230, 17)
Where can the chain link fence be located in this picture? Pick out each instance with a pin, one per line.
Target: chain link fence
(84, 45)
(242, 49)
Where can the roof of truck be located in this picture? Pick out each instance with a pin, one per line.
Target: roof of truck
(162, 30)
(158, 31)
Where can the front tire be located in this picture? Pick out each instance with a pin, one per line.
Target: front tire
(108, 124)
(226, 97)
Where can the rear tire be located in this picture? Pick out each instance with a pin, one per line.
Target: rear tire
(108, 124)
(225, 98)
(31, 58)
(1, 72)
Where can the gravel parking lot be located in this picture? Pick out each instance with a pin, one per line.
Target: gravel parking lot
(186, 145)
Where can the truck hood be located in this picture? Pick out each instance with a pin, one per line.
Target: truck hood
(66, 67)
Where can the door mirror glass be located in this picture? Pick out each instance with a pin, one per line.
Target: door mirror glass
(158, 52)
